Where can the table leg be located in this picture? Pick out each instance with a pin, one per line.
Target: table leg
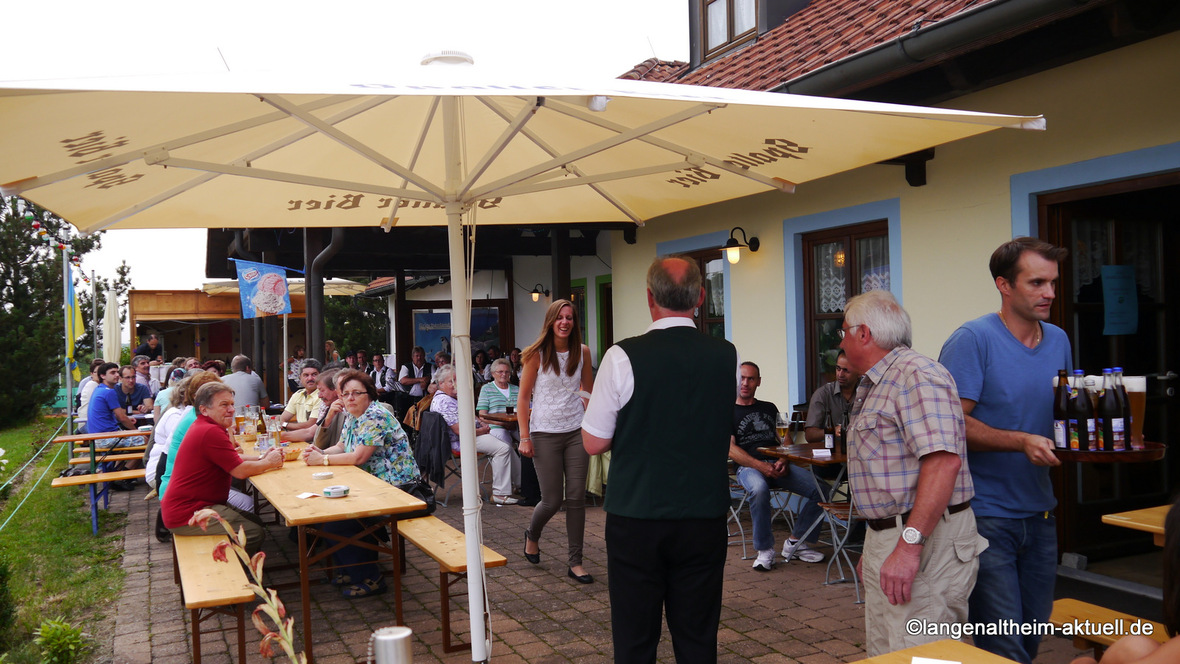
(305, 591)
(397, 552)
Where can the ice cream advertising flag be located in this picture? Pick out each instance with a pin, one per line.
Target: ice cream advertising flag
(263, 288)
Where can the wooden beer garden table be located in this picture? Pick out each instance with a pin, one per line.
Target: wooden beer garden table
(368, 496)
(1149, 520)
(947, 650)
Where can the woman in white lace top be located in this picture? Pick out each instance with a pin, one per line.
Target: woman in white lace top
(556, 374)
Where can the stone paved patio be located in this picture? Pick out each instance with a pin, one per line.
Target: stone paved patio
(538, 615)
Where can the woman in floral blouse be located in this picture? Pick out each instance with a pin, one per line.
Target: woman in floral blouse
(373, 440)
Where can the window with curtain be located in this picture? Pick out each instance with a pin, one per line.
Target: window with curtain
(710, 317)
(839, 263)
(725, 23)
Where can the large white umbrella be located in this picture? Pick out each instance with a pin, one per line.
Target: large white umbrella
(430, 147)
(112, 331)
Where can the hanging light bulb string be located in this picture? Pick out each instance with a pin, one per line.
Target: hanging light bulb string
(60, 243)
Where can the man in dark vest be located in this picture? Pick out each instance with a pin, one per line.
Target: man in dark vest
(663, 405)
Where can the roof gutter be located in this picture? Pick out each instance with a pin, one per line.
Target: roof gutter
(922, 43)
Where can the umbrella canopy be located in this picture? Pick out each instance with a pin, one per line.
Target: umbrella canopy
(112, 332)
(431, 147)
(231, 150)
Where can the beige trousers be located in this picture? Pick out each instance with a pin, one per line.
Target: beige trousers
(946, 575)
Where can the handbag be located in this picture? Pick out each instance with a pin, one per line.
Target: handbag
(421, 490)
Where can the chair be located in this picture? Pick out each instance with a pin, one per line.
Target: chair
(433, 448)
(737, 500)
(842, 519)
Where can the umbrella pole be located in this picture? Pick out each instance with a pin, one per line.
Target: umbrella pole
(461, 347)
(65, 310)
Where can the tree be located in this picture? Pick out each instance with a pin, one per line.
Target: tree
(356, 322)
(31, 306)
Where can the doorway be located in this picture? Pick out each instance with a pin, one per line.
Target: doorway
(1135, 224)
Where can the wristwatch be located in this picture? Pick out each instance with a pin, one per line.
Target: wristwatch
(326, 463)
(911, 535)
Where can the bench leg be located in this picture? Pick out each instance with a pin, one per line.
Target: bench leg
(93, 510)
(241, 616)
(444, 591)
(196, 630)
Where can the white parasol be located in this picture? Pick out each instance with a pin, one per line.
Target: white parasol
(112, 331)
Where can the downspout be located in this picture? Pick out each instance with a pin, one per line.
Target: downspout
(314, 288)
(921, 43)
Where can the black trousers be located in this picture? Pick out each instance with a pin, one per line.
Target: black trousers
(660, 567)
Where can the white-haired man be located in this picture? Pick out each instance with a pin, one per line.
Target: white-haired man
(907, 465)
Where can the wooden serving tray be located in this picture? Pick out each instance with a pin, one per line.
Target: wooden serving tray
(1150, 452)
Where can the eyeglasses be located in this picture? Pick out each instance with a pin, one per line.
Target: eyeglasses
(353, 395)
(502, 372)
(844, 331)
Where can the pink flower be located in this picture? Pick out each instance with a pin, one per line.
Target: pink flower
(219, 551)
(202, 518)
(266, 648)
(256, 564)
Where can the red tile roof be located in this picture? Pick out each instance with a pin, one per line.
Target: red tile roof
(823, 32)
(653, 69)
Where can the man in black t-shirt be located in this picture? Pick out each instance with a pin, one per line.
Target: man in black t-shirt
(753, 427)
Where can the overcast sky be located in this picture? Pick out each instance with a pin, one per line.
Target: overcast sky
(53, 38)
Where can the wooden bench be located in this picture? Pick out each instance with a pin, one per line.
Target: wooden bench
(92, 481)
(109, 458)
(132, 448)
(1069, 610)
(209, 587)
(448, 546)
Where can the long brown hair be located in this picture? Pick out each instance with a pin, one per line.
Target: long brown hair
(545, 345)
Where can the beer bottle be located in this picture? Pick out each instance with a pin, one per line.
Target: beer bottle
(1081, 415)
(829, 432)
(1061, 410)
(844, 433)
(1110, 415)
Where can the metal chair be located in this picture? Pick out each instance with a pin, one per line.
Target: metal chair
(842, 520)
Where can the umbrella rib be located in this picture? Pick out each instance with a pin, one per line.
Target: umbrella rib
(624, 135)
(514, 127)
(292, 178)
(205, 177)
(388, 222)
(127, 157)
(691, 155)
(351, 143)
(532, 188)
(551, 151)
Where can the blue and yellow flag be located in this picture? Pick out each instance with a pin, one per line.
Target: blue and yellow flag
(75, 327)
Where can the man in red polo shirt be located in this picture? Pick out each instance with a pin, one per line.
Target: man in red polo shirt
(206, 464)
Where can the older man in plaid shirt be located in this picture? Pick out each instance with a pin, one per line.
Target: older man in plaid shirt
(907, 463)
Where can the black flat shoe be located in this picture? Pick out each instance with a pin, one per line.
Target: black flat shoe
(534, 558)
(580, 578)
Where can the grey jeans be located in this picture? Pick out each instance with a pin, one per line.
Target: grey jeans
(560, 457)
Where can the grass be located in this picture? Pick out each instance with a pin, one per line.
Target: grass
(58, 568)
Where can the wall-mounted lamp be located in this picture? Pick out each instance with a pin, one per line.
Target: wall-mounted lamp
(838, 259)
(733, 247)
(538, 292)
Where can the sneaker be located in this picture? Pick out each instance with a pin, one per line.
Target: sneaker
(800, 551)
(765, 560)
(504, 500)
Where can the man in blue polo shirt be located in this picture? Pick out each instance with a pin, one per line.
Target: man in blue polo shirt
(107, 412)
(1004, 364)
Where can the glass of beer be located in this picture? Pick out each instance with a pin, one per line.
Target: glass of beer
(1137, 396)
(239, 420)
(782, 426)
